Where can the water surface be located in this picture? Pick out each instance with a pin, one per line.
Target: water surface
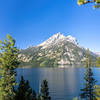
(64, 83)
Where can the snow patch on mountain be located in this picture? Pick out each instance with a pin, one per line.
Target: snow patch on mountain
(58, 38)
(98, 53)
(71, 39)
(54, 38)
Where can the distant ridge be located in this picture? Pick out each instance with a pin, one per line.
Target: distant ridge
(98, 53)
(57, 50)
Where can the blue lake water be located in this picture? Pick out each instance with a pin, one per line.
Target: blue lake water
(64, 83)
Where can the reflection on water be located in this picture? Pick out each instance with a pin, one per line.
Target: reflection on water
(68, 66)
(64, 83)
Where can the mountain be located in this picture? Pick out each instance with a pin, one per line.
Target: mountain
(98, 53)
(57, 50)
(55, 39)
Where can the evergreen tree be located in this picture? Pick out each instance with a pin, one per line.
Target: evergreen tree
(24, 92)
(96, 2)
(88, 90)
(44, 91)
(34, 96)
(8, 64)
(88, 61)
(39, 97)
(98, 62)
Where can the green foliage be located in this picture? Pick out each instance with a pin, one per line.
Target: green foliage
(97, 91)
(80, 2)
(47, 62)
(88, 61)
(77, 98)
(44, 92)
(39, 97)
(44, 63)
(88, 90)
(34, 95)
(8, 64)
(24, 92)
(96, 2)
(98, 62)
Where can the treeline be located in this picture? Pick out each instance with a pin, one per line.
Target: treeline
(25, 92)
(40, 62)
(8, 64)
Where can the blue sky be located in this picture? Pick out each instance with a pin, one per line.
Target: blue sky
(31, 22)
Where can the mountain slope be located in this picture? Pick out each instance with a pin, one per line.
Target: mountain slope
(58, 49)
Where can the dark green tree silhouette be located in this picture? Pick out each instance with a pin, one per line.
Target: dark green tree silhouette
(8, 64)
(44, 92)
(88, 90)
(34, 96)
(39, 97)
(24, 92)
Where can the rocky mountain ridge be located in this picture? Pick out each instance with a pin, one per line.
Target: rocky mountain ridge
(56, 38)
(57, 50)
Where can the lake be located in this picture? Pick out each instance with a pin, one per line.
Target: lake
(64, 83)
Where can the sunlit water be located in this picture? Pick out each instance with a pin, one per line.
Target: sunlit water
(64, 83)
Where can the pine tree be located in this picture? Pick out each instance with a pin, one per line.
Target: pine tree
(44, 93)
(96, 2)
(88, 61)
(39, 97)
(24, 91)
(88, 90)
(8, 64)
(34, 96)
(98, 62)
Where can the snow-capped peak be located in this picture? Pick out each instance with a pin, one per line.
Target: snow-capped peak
(57, 38)
(71, 39)
(54, 39)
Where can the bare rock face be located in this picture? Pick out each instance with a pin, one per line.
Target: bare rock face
(58, 49)
(64, 62)
(24, 58)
